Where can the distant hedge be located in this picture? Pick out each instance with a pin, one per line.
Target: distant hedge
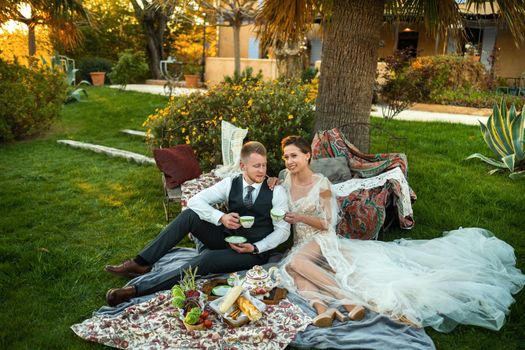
(30, 99)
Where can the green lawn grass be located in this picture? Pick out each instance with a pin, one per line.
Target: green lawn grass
(68, 212)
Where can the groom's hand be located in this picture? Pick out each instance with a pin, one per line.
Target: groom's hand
(242, 247)
(231, 220)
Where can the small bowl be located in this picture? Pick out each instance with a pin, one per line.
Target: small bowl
(194, 327)
(247, 221)
(277, 214)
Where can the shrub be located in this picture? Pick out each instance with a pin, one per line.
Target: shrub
(433, 79)
(93, 64)
(309, 74)
(473, 98)
(433, 74)
(399, 91)
(192, 69)
(130, 68)
(30, 99)
(245, 77)
(269, 110)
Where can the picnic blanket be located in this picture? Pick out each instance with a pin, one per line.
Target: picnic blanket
(147, 322)
(376, 186)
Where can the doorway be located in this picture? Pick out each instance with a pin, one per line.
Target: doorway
(408, 40)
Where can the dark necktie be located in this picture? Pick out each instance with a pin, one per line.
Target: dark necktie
(248, 200)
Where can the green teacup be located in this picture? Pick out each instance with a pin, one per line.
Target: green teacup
(277, 214)
(247, 221)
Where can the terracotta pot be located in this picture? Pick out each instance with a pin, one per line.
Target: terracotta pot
(192, 81)
(97, 78)
(474, 58)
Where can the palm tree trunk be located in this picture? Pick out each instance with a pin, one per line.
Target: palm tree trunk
(237, 48)
(345, 91)
(31, 39)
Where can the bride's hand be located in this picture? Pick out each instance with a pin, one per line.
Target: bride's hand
(293, 218)
(272, 182)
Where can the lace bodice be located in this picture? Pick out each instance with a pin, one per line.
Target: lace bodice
(315, 202)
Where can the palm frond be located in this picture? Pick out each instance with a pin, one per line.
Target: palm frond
(512, 12)
(288, 19)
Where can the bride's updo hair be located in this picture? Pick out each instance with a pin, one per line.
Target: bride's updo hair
(299, 142)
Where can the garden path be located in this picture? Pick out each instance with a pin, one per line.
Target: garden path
(156, 89)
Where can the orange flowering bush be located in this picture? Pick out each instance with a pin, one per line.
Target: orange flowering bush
(269, 110)
(433, 74)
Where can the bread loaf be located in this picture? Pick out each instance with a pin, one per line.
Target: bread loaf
(248, 309)
(230, 298)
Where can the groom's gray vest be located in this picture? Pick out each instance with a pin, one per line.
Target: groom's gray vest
(263, 225)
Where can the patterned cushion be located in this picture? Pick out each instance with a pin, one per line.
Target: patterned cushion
(178, 164)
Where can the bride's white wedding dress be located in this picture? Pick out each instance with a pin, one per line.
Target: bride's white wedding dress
(467, 276)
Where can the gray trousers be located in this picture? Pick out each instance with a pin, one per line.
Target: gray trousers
(217, 256)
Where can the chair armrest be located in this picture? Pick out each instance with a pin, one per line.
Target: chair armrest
(172, 194)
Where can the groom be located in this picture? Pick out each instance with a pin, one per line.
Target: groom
(246, 194)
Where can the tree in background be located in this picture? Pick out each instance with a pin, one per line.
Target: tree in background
(61, 16)
(231, 13)
(191, 37)
(187, 44)
(350, 43)
(115, 29)
(153, 19)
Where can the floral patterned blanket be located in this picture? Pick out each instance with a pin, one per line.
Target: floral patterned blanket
(152, 325)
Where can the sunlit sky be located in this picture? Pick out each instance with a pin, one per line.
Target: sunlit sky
(11, 26)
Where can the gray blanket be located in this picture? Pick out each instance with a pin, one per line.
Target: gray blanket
(373, 332)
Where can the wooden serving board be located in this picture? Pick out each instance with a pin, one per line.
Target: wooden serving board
(276, 295)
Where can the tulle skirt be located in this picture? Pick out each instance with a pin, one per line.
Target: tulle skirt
(467, 276)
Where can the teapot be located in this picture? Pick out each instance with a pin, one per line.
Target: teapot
(258, 281)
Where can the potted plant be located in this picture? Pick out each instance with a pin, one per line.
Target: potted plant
(97, 78)
(192, 75)
(93, 64)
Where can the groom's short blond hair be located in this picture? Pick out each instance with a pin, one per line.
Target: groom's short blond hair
(252, 147)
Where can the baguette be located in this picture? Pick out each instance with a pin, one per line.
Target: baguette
(229, 298)
(249, 309)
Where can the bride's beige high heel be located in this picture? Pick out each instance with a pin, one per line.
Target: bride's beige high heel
(326, 318)
(355, 312)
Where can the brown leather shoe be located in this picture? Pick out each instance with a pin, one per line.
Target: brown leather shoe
(115, 296)
(128, 268)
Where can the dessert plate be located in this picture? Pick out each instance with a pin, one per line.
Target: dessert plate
(235, 239)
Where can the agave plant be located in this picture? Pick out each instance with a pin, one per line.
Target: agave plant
(505, 137)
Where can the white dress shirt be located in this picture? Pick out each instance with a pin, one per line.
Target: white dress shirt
(202, 204)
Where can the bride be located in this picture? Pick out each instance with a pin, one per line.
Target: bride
(467, 276)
